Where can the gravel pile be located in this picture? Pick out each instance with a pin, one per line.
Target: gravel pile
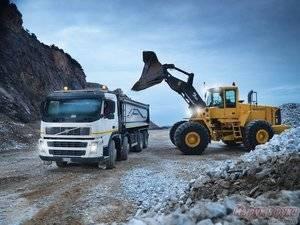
(257, 178)
(284, 144)
(150, 188)
(235, 210)
(16, 135)
(290, 113)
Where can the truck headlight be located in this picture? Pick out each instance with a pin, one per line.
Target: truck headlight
(94, 146)
(42, 145)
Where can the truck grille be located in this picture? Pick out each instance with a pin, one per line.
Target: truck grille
(67, 144)
(67, 152)
(68, 130)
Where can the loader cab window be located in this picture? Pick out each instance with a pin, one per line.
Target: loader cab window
(230, 98)
(215, 99)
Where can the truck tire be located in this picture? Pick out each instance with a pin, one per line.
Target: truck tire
(231, 143)
(124, 148)
(61, 164)
(139, 146)
(257, 132)
(191, 138)
(145, 139)
(173, 130)
(112, 156)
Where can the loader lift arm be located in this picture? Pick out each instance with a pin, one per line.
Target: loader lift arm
(154, 73)
(184, 88)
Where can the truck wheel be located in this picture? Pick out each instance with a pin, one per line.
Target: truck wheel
(231, 143)
(173, 130)
(124, 149)
(112, 156)
(139, 146)
(191, 138)
(145, 139)
(257, 132)
(61, 164)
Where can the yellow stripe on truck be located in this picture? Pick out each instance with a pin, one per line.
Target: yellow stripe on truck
(104, 132)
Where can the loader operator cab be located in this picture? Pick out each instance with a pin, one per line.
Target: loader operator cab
(222, 97)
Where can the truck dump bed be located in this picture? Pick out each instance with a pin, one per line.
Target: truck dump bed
(133, 114)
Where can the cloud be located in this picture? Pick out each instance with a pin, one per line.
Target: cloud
(254, 43)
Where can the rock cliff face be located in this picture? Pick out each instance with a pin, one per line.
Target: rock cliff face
(29, 69)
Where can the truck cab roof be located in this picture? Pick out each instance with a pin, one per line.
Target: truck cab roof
(93, 93)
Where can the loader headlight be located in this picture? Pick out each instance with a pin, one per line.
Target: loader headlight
(94, 146)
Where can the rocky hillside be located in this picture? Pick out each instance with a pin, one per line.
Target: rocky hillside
(29, 69)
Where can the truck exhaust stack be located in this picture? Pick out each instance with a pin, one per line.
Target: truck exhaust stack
(152, 72)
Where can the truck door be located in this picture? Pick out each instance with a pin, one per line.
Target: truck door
(110, 116)
(230, 102)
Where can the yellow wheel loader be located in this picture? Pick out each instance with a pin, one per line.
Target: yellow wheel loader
(223, 116)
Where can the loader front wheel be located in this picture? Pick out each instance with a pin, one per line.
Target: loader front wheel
(257, 132)
(173, 130)
(191, 138)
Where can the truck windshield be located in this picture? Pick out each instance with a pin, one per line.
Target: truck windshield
(72, 110)
(214, 99)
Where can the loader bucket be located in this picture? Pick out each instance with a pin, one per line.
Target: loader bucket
(152, 72)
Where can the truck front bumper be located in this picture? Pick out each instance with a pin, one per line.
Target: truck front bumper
(72, 159)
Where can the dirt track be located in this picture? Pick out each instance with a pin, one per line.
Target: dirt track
(32, 193)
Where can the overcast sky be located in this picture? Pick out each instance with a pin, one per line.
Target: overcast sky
(254, 43)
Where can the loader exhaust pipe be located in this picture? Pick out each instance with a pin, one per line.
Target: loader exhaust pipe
(153, 72)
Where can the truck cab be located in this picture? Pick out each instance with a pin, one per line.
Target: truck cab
(89, 126)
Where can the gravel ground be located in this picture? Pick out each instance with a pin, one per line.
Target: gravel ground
(32, 193)
(232, 191)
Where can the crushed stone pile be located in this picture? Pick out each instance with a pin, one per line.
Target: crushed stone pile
(234, 210)
(290, 114)
(263, 177)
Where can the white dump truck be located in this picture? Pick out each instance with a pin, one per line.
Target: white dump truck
(92, 126)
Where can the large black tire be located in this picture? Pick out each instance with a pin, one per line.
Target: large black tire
(257, 132)
(139, 146)
(231, 143)
(112, 156)
(125, 148)
(173, 130)
(191, 138)
(61, 164)
(145, 139)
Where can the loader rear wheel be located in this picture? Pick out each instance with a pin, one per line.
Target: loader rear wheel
(257, 132)
(191, 138)
(112, 156)
(173, 130)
